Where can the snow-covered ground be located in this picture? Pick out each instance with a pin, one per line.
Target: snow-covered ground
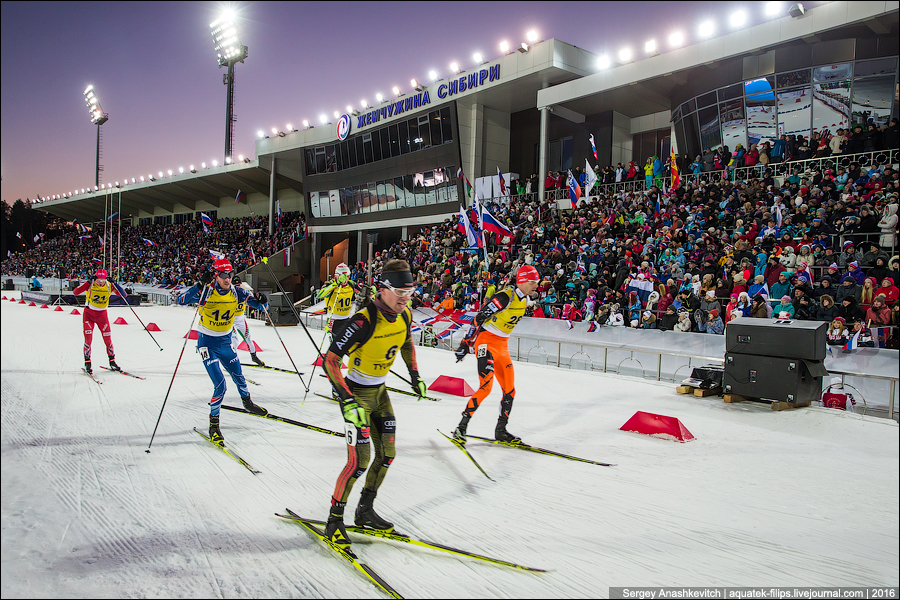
(761, 498)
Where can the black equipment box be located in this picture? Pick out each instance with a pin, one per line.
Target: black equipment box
(793, 380)
(776, 337)
(708, 377)
(281, 300)
(282, 316)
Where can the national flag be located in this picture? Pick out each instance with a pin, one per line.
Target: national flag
(206, 220)
(461, 175)
(490, 223)
(415, 329)
(594, 148)
(216, 255)
(18, 235)
(428, 320)
(880, 335)
(807, 273)
(279, 215)
(240, 196)
(673, 170)
(778, 216)
(113, 217)
(287, 257)
(590, 177)
(656, 210)
(465, 226)
(149, 242)
(84, 237)
(641, 287)
(292, 240)
(8, 254)
(574, 188)
(592, 327)
(97, 260)
(569, 323)
(503, 191)
(852, 343)
(449, 331)
(102, 243)
(253, 255)
(36, 238)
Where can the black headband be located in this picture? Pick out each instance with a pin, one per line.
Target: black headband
(398, 279)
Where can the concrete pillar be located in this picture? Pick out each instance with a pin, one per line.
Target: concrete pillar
(272, 198)
(542, 152)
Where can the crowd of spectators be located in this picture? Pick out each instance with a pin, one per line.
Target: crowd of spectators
(158, 254)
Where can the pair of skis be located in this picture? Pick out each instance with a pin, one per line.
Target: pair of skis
(521, 446)
(313, 526)
(92, 376)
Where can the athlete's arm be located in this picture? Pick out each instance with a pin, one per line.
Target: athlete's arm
(357, 332)
(498, 302)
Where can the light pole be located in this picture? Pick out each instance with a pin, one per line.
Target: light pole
(229, 51)
(98, 118)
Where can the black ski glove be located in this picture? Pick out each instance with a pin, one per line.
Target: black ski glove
(206, 278)
(262, 298)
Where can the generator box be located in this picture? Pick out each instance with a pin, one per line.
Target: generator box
(776, 337)
(794, 380)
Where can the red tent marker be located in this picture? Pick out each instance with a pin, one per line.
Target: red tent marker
(668, 428)
(456, 386)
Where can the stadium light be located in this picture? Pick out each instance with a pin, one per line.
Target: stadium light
(650, 47)
(603, 61)
(203, 165)
(193, 170)
(337, 115)
(478, 58)
(306, 124)
(323, 118)
(396, 90)
(169, 172)
(433, 75)
(379, 98)
(227, 160)
(738, 19)
(774, 9)
(215, 163)
(676, 39)
(504, 47)
(229, 51)
(532, 36)
(706, 29)
(98, 118)
(181, 170)
(415, 85)
(625, 55)
(364, 104)
(523, 47)
(454, 67)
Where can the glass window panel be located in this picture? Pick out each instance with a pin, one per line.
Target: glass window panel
(567, 145)
(402, 201)
(446, 125)
(376, 145)
(373, 198)
(430, 186)
(385, 142)
(734, 130)
(324, 204)
(351, 153)
(360, 155)
(424, 132)
(310, 161)
(345, 154)
(320, 160)
(710, 134)
(833, 72)
(435, 119)
(763, 85)
(314, 204)
(394, 135)
(367, 147)
(794, 111)
(413, 143)
(831, 106)
(403, 131)
(348, 205)
(879, 66)
(362, 198)
(872, 99)
(706, 100)
(689, 106)
(440, 190)
(409, 190)
(731, 92)
(330, 159)
(792, 78)
(554, 156)
(761, 119)
(648, 146)
(676, 115)
(453, 184)
(339, 157)
(419, 188)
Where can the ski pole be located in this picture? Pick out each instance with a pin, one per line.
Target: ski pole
(265, 261)
(286, 351)
(194, 318)
(322, 345)
(144, 326)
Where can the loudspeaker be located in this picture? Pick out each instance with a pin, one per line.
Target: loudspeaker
(282, 316)
(73, 283)
(9, 285)
(29, 273)
(791, 380)
(778, 337)
(279, 300)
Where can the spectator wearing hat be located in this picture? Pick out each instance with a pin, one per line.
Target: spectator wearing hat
(759, 309)
(669, 319)
(684, 321)
(850, 311)
(827, 310)
(848, 288)
(784, 310)
(854, 271)
(714, 324)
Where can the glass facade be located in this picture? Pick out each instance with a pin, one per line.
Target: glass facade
(407, 191)
(800, 102)
(411, 135)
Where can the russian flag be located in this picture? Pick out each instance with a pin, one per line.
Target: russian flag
(253, 255)
(656, 210)
(113, 217)
(149, 242)
(216, 255)
(465, 226)
(204, 218)
(240, 197)
(594, 148)
(852, 343)
(502, 182)
(592, 327)
(574, 188)
(449, 331)
(490, 223)
(807, 273)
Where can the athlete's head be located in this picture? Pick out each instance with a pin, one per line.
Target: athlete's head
(224, 271)
(527, 279)
(397, 284)
(342, 274)
(101, 274)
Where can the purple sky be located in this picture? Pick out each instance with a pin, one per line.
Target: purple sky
(155, 72)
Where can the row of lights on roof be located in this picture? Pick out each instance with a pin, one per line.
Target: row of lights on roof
(433, 75)
(141, 179)
(705, 30)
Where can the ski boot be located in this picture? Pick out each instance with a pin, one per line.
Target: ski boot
(87, 366)
(334, 528)
(366, 515)
(112, 364)
(459, 434)
(252, 408)
(256, 359)
(215, 435)
(502, 435)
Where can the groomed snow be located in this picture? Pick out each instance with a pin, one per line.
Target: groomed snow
(761, 498)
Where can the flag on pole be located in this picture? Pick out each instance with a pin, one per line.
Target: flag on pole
(149, 242)
(492, 224)
(206, 220)
(113, 217)
(84, 237)
(656, 210)
(673, 169)
(590, 178)
(852, 343)
(102, 244)
(216, 255)
(594, 148)
(278, 226)
(240, 197)
(806, 272)
(287, 257)
(253, 255)
(574, 188)
(503, 190)
(465, 226)
(36, 238)
(461, 175)
(19, 235)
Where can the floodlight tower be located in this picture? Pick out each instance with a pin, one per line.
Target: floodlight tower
(229, 51)
(98, 118)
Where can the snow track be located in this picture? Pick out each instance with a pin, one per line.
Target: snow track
(807, 497)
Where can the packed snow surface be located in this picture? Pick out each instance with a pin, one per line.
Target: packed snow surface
(795, 498)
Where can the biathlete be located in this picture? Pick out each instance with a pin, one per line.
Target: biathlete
(98, 289)
(220, 303)
(489, 339)
(241, 327)
(372, 338)
(338, 296)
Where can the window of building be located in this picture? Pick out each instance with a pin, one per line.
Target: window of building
(446, 126)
